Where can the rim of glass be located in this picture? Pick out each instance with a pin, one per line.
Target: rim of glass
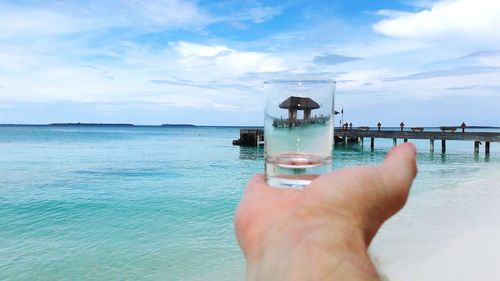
(301, 81)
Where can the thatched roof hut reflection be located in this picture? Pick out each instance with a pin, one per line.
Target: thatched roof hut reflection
(294, 104)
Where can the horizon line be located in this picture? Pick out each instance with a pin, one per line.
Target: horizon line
(83, 124)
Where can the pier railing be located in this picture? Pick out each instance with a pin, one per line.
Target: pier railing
(255, 137)
(477, 137)
(286, 123)
(471, 136)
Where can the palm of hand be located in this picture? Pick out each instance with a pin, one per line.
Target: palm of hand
(361, 197)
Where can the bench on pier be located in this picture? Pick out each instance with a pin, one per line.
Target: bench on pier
(417, 129)
(448, 129)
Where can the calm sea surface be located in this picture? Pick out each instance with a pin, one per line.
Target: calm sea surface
(150, 203)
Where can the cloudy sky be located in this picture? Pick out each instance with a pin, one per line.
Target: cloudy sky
(424, 62)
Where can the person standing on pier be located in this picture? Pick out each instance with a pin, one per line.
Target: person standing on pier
(463, 126)
(350, 126)
(379, 125)
(402, 125)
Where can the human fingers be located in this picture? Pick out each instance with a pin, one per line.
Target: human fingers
(397, 173)
(388, 185)
(257, 182)
(369, 195)
(252, 203)
(244, 211)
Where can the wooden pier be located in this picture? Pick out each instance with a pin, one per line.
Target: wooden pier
(443, 136)
(290, 123)
(250, 137)
(255, 137)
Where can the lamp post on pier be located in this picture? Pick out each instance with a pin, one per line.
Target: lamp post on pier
(342, 111)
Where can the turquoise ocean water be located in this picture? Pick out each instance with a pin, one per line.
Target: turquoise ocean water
(150, 203)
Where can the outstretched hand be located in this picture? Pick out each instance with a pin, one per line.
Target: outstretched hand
(322, 232)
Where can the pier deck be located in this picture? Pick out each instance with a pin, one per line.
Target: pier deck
(443, 136)
(255, 137)
(470, 136)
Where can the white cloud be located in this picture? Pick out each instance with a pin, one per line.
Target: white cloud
(490, 61)
(421, 3)
(40, 63)
(17, 21)
(239, 13)
(244, 62)
(392, 13)
(168, 13)
(364, 79)
(211, 73)
(446, 19)
(186, 49)
(220, 61)
(57, 18)
(263, 14)
(15, 63)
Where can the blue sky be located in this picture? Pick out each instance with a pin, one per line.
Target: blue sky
(423, 62)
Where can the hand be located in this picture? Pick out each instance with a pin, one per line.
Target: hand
(322, 232)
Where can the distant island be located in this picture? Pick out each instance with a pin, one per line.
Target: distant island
(92, 124)
(483, 127)
(191, 125)
(178, 125)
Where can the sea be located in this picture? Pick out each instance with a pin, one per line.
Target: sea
(155, 203)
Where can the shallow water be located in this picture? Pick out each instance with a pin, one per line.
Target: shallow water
(150, 203)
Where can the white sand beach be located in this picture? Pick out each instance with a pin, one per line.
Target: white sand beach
(445, 234)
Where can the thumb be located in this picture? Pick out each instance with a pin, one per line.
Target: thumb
(397, 173)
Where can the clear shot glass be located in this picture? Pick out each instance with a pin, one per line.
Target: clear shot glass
(298, 131)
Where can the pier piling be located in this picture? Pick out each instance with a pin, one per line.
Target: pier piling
(444, 135)
(250, 137)
(255, 137)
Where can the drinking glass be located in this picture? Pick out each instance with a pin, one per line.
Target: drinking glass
(298, 131)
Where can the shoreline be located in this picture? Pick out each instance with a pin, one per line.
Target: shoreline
(444, 234)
